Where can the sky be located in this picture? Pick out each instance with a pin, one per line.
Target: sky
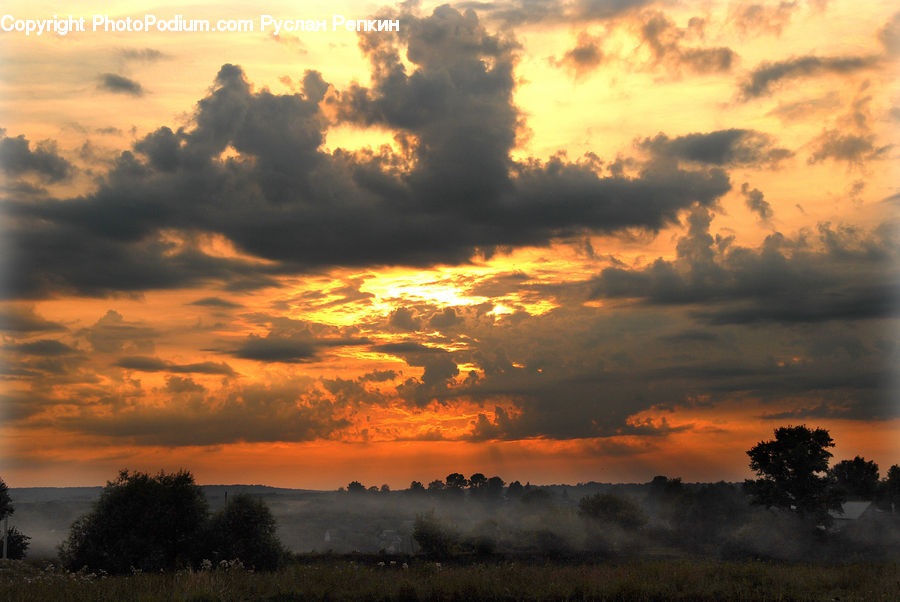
(554, 241)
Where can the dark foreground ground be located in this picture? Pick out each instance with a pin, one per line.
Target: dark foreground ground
(324, 578)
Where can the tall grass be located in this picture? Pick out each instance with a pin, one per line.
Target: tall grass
(345, 579)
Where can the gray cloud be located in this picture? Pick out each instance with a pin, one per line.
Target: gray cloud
(665, 41)
(855, 149)
(216, 302)
(253, 413)
(849, 274)
(768, 74)
(155, 364)
(42, 347)
(586, 56)
(532, 12)
(277, 349)
(17, 158)
(765, 18)
(18, 320)
(112, 82)
(756, 202)
(149, 55)
(291, 342)
(889, 35)
(301, 208)
(113, 334)
(734, 147)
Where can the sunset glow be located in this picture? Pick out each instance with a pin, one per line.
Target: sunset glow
(552, 241)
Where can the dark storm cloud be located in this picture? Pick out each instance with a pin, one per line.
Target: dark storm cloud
(112, 82)
(17, 158)
(731, 147)
(767, 74)
(51, 257)
(845, 274)
(283, 198)
(155, 364)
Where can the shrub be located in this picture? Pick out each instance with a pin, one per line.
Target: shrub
(139, 522)
(436, 539)
(245, 529)
(611, 508)
(17, 544)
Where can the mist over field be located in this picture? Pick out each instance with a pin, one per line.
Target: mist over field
(663, 519)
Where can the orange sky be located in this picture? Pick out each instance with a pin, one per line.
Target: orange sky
(553, 241)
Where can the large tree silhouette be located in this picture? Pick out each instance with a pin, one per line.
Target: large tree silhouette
(794, 473)
(857, 477)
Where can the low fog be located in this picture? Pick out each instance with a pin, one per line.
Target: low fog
(662, 518)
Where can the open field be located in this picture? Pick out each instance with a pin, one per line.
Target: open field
(363, 578)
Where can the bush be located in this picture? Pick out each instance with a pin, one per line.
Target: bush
(17, 544)
(139, 522)
(436, 539)
(245, 529)
(611, 508)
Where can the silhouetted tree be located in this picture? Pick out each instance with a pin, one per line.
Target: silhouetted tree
(665, 490)
(141, 522)
(890, 487)
(536, 496)
(436, 486)
(856, 477)
(493, 490)
(477, 481)
(385, 489)
(416, 488)
(610, 508)
(794, 471)
(6, 505)
(16, 542)
(514, 490)
(356, 487)
(703, 515)
(456, 481)
(245, 529)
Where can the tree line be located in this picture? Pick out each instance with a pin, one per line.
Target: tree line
(145, 522)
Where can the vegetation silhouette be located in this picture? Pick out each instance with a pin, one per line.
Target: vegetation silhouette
(244, 529)
(856, 478)
(16, 541)
(152, 523)
(794, 473)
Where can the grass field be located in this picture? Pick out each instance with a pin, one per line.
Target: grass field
(348, 579)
